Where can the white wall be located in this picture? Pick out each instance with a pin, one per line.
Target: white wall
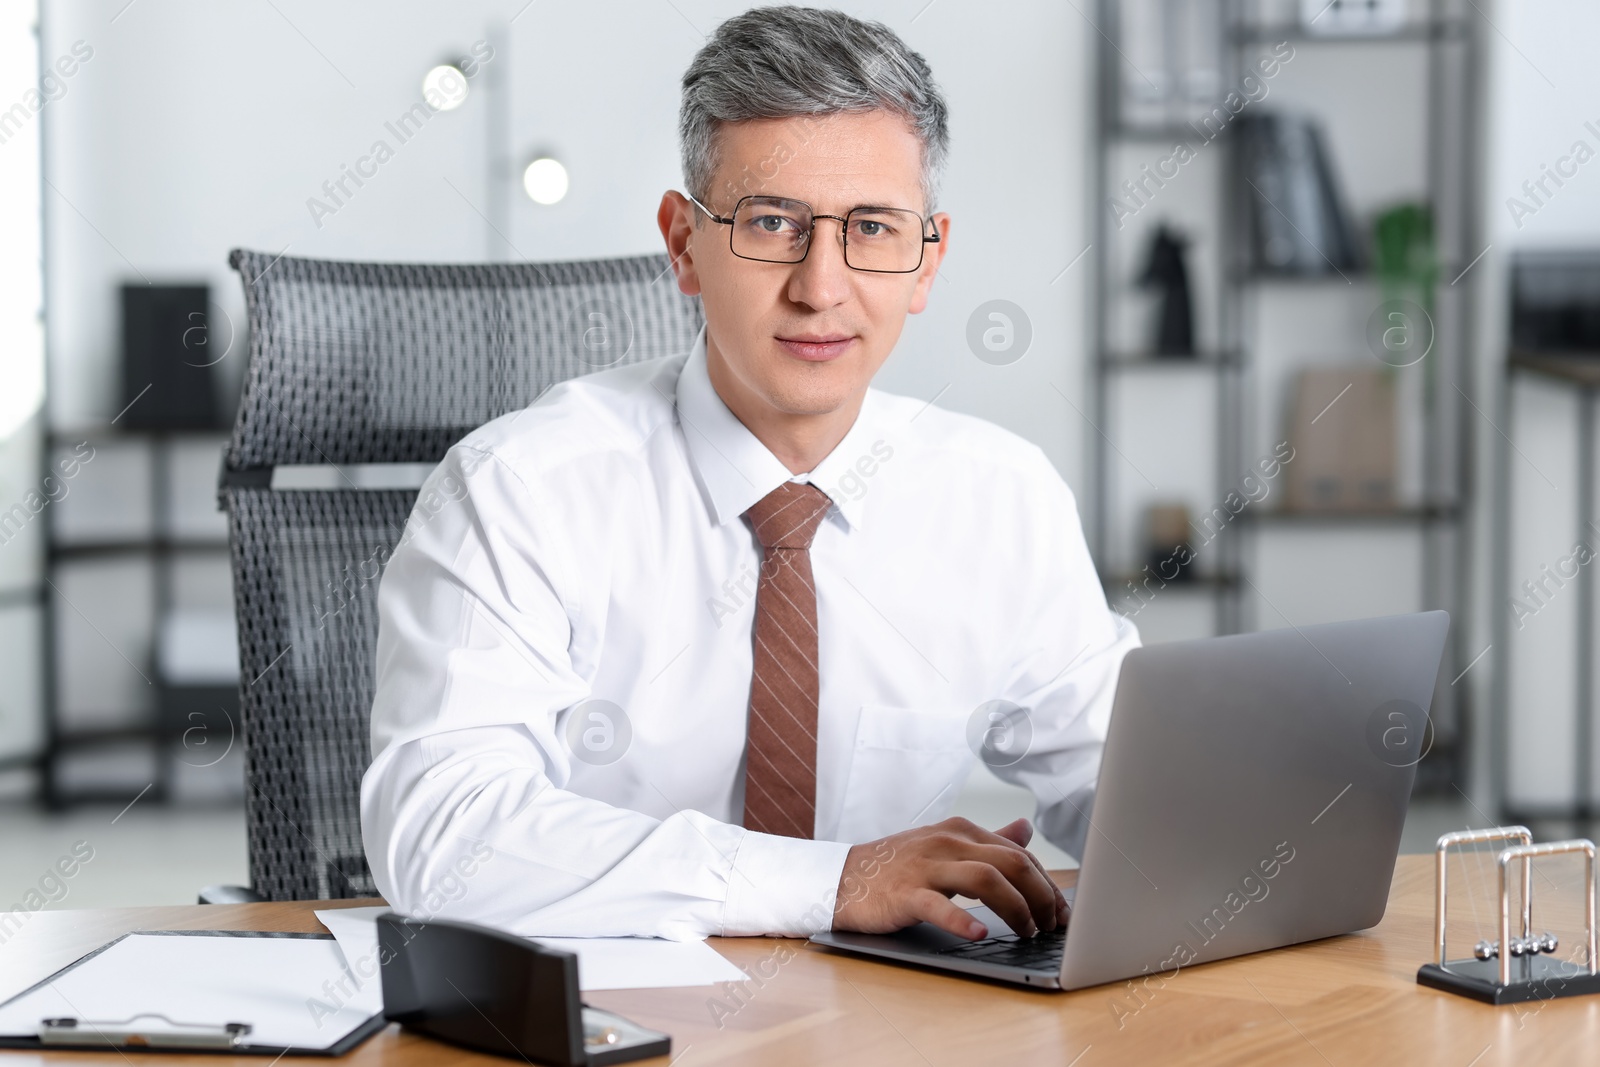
(197, 127)
(1544, 86)
(21, 371)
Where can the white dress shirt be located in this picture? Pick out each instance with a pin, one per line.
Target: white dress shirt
(564, 658)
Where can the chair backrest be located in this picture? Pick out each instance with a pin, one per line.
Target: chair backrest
(361, 364)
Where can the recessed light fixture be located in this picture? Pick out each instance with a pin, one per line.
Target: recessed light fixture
(545, 180)
(444, 88)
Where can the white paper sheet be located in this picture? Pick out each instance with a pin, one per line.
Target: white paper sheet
(293, 991)
(644, 962)
(603, 962)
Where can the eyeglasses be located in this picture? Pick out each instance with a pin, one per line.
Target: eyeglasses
(772, 229)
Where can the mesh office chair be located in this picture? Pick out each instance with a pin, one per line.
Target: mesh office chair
(355, 364)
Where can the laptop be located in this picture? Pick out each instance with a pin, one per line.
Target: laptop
(1251, 796)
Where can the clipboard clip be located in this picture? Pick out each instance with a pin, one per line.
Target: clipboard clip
(126, 1034)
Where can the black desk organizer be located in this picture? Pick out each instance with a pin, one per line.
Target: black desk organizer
(492, 992)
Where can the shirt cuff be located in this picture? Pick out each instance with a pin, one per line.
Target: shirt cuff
(783, 886)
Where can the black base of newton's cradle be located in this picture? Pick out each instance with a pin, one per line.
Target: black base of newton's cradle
(1532, 978)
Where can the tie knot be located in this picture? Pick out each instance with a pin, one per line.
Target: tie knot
(788, 516)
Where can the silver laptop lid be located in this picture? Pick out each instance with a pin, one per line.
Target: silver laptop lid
(1252, 793)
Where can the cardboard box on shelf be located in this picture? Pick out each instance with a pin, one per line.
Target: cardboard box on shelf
(1342, 427)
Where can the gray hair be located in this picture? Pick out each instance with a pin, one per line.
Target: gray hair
(787, 62)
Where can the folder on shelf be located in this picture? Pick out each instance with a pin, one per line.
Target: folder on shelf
(212, 990)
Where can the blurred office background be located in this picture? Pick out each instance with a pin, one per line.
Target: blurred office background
(1193, 238)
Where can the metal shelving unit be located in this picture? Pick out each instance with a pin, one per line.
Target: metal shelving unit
(165, 722)
(1445, 40)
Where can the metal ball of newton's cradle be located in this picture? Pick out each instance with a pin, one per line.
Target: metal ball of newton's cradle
(1520, 946)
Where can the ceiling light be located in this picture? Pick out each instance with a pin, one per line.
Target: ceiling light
(444, 88)
(545, 180)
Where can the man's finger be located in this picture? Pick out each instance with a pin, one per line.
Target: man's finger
(926, 905)
(987, 883)
(1017, 834)
(1023, 870)
(1060, 897)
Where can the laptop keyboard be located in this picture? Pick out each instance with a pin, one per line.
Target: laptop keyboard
(1042, 951)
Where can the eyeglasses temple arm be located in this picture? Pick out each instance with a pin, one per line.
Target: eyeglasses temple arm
(712, 215)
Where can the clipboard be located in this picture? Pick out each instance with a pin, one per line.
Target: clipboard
(282, 975)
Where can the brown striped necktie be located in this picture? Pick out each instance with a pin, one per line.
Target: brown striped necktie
(780, 781)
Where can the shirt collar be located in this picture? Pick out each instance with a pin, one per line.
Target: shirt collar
(736, 470)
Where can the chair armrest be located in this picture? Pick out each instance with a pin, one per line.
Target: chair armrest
(230, 894)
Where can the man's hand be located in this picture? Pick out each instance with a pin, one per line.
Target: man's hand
(909, 877)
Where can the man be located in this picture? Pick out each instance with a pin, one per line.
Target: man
(705, 645)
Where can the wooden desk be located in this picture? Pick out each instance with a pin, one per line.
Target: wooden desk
(1346, 1000)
